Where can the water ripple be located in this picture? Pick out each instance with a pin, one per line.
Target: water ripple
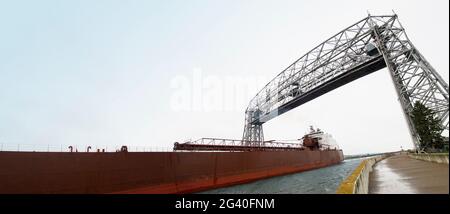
(320, 181)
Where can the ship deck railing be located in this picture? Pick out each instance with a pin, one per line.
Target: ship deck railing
(222, 144)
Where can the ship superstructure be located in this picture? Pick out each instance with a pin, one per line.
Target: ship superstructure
(317, 139)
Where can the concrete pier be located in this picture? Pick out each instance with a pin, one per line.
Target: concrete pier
(404, 175)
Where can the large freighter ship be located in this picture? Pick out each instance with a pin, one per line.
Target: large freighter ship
(192, 166)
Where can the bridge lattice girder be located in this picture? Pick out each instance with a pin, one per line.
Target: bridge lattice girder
(369, 45)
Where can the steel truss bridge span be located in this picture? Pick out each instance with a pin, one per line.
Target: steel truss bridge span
(369, 45)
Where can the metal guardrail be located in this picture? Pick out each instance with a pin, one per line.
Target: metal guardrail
(23, 147)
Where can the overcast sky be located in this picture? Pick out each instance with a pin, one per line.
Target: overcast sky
(149, 73)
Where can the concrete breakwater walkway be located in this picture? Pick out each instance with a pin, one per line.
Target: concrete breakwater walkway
(405, 175)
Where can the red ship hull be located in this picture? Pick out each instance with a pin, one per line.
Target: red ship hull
(149, 172)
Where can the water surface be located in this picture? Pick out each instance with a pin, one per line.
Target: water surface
(319, 181)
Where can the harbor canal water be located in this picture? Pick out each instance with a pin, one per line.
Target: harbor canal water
(319, 181)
